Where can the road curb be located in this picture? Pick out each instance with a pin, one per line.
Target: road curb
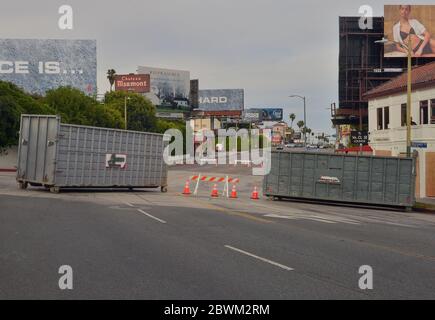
(424, 207)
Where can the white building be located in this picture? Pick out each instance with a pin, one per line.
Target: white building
(387, 122)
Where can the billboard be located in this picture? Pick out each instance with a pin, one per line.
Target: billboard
(344, 130)
(221, 99)
(251, 115)
(37, 65)
(169, 88)
(270, 114)
(139, 83)
(414, 22)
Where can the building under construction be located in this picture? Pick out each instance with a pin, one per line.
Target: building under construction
(362, 67)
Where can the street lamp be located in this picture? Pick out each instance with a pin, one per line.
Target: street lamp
(305, 116)
(125, 110)
(408, 102)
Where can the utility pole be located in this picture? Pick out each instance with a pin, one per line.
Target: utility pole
(125, 111)
(408, 103)
(305, 116)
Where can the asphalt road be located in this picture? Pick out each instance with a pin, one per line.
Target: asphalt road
(148, 245)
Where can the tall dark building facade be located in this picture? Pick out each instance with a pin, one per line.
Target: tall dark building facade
(362, 67)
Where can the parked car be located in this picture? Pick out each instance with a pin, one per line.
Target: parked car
(290, 145)
(311, 146)
(280, 147)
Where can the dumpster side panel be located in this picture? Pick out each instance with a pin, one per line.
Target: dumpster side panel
(37, 149)
(102, 157)
(349, 178)
(406, 189)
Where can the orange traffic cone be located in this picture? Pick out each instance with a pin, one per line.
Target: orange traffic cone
(254, 195)
(214, 191)
(233, 192)
(186, 188)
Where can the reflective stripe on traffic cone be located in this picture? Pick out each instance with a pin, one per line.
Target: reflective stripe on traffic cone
(233, 192)
(214, 191)
(254, 195)
(186, 188)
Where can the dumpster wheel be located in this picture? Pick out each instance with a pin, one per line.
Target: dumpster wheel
(164, 189)
(22, 184)
(54, 189)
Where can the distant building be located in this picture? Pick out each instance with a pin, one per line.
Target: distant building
(387, 122)
(201, 124)
(279, 130)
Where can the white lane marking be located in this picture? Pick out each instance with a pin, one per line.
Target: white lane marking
(129, 204)
(292, 217)
(151, 216)
(325, 219)
(260, 258)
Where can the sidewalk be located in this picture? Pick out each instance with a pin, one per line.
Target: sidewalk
(425, 205)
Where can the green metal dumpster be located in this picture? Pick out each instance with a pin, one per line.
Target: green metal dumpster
(357, 179)
(58, 155)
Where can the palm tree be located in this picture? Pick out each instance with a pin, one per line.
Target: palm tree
(306, 131)
(300, 124)
(292, 117)
(111, 76)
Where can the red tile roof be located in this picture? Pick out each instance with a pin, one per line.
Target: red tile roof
(421, 77)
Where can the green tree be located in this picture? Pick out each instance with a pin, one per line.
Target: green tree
(14, 102)
(111, 73)
(75, 107)
(141, 113)
(71, 104)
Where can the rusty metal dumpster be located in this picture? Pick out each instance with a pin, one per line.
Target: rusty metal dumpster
(365, 180)
(58, 155)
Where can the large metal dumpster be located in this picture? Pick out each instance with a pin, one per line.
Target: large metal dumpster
(58, 155)
(344, 178)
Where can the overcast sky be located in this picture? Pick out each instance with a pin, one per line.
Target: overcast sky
(270, 48)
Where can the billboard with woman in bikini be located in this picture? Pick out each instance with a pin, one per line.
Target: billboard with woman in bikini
(404, 22)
